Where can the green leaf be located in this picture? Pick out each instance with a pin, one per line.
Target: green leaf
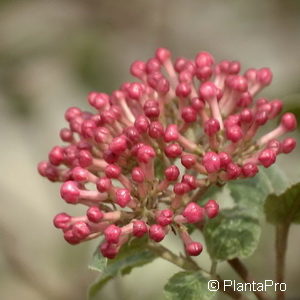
(233, 233)
(284, 208)
(132, 254)
(188, 286)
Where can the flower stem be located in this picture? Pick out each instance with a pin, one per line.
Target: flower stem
(243, 272)
(282, 231)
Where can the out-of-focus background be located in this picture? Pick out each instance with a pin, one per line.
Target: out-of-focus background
(52, 53)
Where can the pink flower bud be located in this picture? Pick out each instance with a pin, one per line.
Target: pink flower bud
(264, 76)
(80, 174)
(103, 184)
(72, 113)
(139, 228)
(180, 64)
(156, 233)
(267, 157)
(109, 156)
(190, 180)
(98, 100)
(211, 127)
(172, 173)
(225, 159)
(181, 188)
(138, 68)
(189, 114)
(112, 234)
(208, 91)
(204, 59)
(275, 145)
(102, 135)
(211, 209)
(164, 217)
(204, 73)
(56, 155)
(171, 133)
(162, 54)
(173, 150)
(66, 135)
(112, 171)
(233, 171)
(109, 250)
(245, 99)
(261, 117)
(188, 160)
(237, 83)
(135, 90)
(194, 248)
(88, 128)
(145, 153)
(193, 212)
(156, 130)
(276, 108)
(71, 238)
(197, 104)
(62, 221)
(232, 120)
(211, 162)
(81, 230)
(138, 175)
(183, 90)
(153, 65)
(234, 67)
(123, 197)
(249, 170)
(234, 133)
(289, 122)
(47, 170)
(151, 109)
(118, 145)
(142, 124)
(246, 115)
(288, 145)
(132, 134)
(94, 214)
(85, 158)
(70, 192)
(162, 86)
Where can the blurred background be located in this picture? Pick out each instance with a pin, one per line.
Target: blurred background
(52, 53)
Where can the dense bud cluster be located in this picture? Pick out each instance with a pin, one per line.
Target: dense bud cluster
(140, 159)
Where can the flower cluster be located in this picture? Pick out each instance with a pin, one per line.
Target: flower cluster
(141, 160)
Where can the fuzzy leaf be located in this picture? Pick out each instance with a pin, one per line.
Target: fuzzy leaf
(284, 208)
(188, 286)
(233, 233)
(132, 254)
